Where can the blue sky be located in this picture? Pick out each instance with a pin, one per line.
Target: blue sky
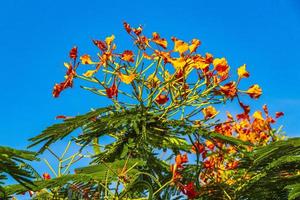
(36, 36)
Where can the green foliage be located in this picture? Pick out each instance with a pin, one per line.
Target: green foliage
(59, 131)
(12, 162)
(275, 168)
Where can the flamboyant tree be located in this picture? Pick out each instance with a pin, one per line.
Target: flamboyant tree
(167, 140)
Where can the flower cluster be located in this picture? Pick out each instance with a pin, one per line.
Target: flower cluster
(167, 76)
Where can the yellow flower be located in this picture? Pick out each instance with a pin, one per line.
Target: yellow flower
(89, 73)
(242, 72)
(257, 115)
(109, 40)
(86, 59)
(195, 44)
(179, 63)
(180, 46)
(127, 78)
(209, 112)
(254, 91)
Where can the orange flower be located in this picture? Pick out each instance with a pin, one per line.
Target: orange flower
(73, 53)
(138, 30)
(127, 78)
(86, 59)
(180, 159)
(160, 41)
(221, 66)
(209, 164)
(209, 112)
(198, 147)
(162, 99)
(112, 91)
(180, 46)
(46, 176)
(127, 56)
(229, 89)
(254, 91)
(232, 165)
(242, 73)
(209, 144)
(195, 44)
(209, 58)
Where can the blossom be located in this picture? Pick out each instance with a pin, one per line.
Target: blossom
(180, 159)
(73, 53)
(209, 112)
(195, 44)
(180, 46)
(198, 147)
(229, 89)
(232, 165)
(242, 73)
(109, 40)
(162, 99)
(279, 114)
(127, 27)
(209, 145)
(209, 163)
(221, 66)
(127, 56)
(254, 91)
(68, 82)
(127, 78)
(158, 40)
(190, 190)
(86, 59)
(100, 44)
(138, 30)
(112, 91)
(46, 176)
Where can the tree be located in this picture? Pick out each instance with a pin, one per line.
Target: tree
(167, 141)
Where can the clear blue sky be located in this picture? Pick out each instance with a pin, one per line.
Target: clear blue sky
(36, 36)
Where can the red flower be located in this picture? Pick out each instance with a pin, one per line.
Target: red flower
(198, 147)
(190, 190)
(46, 176)
(127, 56)
(209, 164)
(162, 99)
(279, 114)
(100, 44)
(73, 53)
(112, 91)
(58, 88)
(232, 165)
(127, 27)
(229, 90)
(60, 117)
